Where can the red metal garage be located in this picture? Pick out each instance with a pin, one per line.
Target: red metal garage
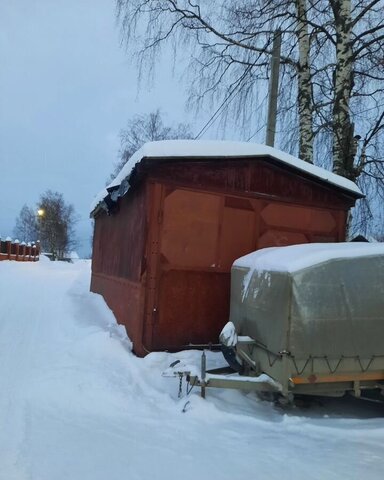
(168, 229)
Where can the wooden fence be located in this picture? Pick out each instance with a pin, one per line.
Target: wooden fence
(19, 252)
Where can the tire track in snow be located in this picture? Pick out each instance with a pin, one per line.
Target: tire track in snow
(24, 325)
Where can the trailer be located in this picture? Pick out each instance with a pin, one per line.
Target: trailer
(305, 320)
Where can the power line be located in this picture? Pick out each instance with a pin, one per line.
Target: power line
(212, 118)
(370, 109)
(257, 131)
(216, 113)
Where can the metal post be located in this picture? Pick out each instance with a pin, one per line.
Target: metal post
(203, 373)
(273, 89)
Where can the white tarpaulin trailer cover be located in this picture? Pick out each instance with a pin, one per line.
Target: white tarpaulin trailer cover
(322, 300)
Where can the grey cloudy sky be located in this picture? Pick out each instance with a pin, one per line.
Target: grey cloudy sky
(66, 90)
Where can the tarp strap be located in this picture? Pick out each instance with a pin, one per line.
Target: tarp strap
(334, 369)
(274, 357)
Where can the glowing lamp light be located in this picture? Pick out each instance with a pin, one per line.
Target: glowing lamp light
(40, 212)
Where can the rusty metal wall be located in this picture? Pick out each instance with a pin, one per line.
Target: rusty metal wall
(118, 262)
(125, 299)
(119, 239)
(163, 261)
(193, 307)
(251, 177)
(200, 236)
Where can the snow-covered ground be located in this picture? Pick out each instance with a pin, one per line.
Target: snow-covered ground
(76, 404)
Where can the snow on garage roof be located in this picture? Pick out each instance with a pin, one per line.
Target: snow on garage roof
(297, 257)
(224, 149)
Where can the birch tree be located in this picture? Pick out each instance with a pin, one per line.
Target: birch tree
(343, 151)
(304, 88)
(332, 69)
(358, 73)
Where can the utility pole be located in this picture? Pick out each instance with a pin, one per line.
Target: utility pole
(273, 89)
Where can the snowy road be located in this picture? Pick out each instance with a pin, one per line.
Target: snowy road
(75, 404)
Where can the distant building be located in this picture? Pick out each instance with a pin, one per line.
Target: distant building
(169, 227)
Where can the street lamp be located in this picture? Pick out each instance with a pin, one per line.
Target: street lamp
(40, 215)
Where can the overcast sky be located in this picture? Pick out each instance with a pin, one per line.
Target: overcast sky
(66, 90)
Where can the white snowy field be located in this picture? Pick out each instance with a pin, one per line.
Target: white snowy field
(76, 404)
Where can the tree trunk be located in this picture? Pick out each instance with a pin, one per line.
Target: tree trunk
(343, 145)
(305, 104)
